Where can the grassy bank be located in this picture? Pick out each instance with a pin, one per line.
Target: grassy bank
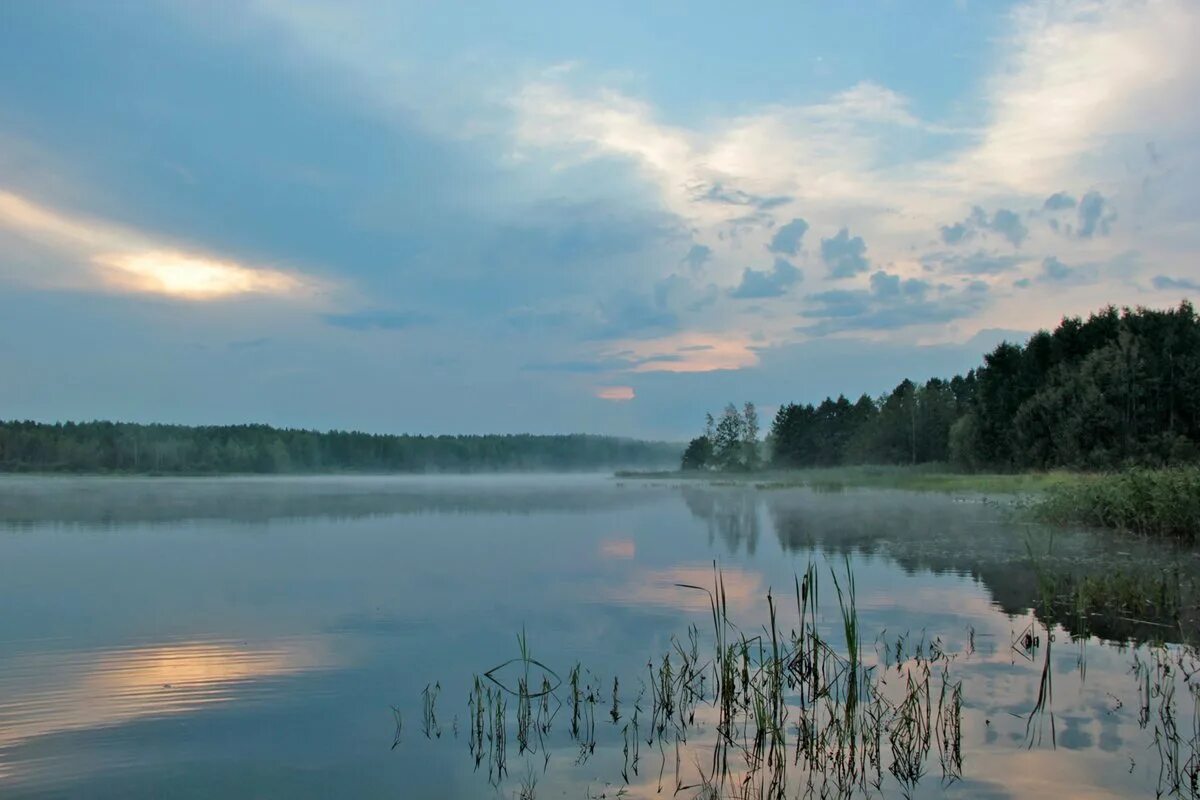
(1156, 502)
(1159, 502)
(922, 478)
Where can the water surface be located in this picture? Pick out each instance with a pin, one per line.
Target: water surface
(249, 637)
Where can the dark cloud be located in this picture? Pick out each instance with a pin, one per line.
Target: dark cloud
(1008, 224)
(891, 302)
(787, 238)
(585, 367)
(1059, 201)
(844, 255)
(977, 263)
(623, 314)
(1096, 215)
(581, 367)
(631, 314)
(885, 286)
(1163, 283)
(956, 233)
(718, 193)
(1003, 222)
(376, 320)
(697, 256)
(668, 286)
(1055, 270)
(764, 283)
(840, 303)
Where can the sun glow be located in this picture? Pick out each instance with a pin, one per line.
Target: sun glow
(110, 257)
(192, 277)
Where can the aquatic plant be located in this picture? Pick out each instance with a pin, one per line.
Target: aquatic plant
(790, 711)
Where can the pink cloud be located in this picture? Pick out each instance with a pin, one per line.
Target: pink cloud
(618, 393)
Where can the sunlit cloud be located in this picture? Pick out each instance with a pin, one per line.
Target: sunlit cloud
(107, 257)
(688, 352)
(616, 393)
(192, 277)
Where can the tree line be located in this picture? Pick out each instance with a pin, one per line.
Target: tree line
(1121, 388)
(110, 447)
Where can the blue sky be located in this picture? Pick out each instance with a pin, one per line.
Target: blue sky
(547, 217)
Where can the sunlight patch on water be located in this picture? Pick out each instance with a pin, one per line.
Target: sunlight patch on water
(666, 588)
(53, 692)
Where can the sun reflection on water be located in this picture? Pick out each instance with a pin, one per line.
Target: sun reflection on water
(50, 693)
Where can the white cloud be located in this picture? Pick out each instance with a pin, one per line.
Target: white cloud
(1080, 76)
(1075, 89)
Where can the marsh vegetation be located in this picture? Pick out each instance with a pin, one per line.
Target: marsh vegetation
(796, 710)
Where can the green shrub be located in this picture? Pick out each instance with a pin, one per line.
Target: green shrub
(1161, 502)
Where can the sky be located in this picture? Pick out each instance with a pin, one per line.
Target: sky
(557, 217)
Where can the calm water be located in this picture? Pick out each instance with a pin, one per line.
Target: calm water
(249, 637)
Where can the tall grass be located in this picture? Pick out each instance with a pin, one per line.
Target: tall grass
(930, 477)
(1158, 502)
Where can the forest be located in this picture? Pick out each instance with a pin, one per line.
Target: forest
(107, 447)
(1119, 389)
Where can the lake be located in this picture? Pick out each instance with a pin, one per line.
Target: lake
(332, 636)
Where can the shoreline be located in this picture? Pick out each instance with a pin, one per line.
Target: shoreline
(927, 478)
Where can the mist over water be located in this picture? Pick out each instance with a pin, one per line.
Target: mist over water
(248, 637)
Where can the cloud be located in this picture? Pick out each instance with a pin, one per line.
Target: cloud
(1055, 270)
(102, 256)
(1165, 283)
(622, 361)
(788, 237)
(844, 255)
(685, 352)
(1096, 215)
(711, 176)
(191, 277)
(762, 283)
(376, 319)
(1004, 222)
(886, 285)
(956, 233)
(615, 393)
(628, 313)
(1008, 224)
(1076, 79)
(977, 263)
(697, 256)
(1059, 201)
(891, 302)
(719, 193)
